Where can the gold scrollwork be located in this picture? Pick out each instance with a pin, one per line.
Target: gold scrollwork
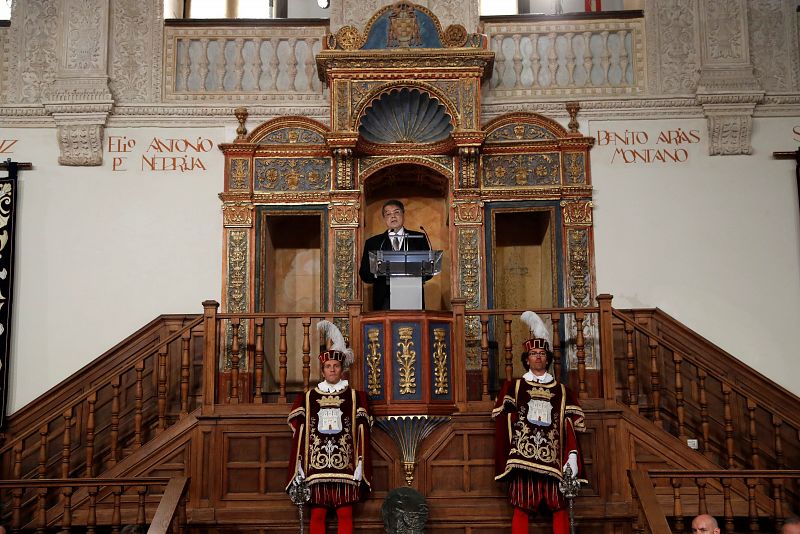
(239, 173)
(374, 362)
(577, 213)
(406, 359)
(578, 255)
(536, 445)
(469, 212)
(343, 272)
(441, 383)
(237, 215)
(349, 38)
(344, 214)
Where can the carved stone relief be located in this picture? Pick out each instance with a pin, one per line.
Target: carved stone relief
(725, 38)
(771, 51)
(673, 56)
(31, 53)
(135, 51)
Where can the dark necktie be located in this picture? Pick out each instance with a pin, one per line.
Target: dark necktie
(395, 242)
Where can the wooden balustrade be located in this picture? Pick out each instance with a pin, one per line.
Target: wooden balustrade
(741, 498)
(116, 501)
(736, 424)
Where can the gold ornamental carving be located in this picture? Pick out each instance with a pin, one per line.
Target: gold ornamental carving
(344, 268)
(237, 215)
(440, 362)
(469, 265)
(577, 213)
(469, 212)
(349, 38)
(455, 35)
(406, 359)
(344, 214)
(578, 267)
(374, 359)
(239, 173)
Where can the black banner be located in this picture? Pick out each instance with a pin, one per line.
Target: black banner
(8, 198)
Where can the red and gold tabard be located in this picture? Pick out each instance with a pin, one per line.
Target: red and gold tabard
(535, 433)
(331, 437)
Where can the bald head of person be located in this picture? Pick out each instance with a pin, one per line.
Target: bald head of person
(704, 524)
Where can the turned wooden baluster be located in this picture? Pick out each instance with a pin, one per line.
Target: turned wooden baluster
(729, 443)
(655, 380)
(580, 355)
(141, 518)
(754, 447)
(90, 428)
(235, 350)
(704, 425)
(162, 388)
(282, 350)
(777, 483)
(116, 514)
(306, 351)
(259, 362)
(16, 506)
(702, 505)
(556, 318)
(91, 517)
(677, 506)
(185, 364)
(114, 428)
(508, 348)
(66, 456)
(680, 411)
(138, 405)
(484, 357)
(727, 504)
(630, 362)
(41, 511)
(752, 511)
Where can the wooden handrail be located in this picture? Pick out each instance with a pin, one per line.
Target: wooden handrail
(170, 504)
(724, 473)
(709, 370)
(94, 389)
(651, 510)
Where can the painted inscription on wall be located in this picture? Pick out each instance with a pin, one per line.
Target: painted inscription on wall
(158, 154)
(665, 146)
(796, 133)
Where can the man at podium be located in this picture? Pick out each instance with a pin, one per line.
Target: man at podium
(396, 237)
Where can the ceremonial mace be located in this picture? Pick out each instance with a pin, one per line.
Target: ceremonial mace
(300, 494)
(570, 486)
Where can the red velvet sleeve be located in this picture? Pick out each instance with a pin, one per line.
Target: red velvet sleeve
(505, 415)
(296, 421)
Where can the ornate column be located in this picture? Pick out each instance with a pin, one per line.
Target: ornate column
(344, 223)
(79, 98)
(728, 89)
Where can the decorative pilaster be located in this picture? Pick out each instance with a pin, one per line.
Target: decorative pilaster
(79, 99)
(728, 89)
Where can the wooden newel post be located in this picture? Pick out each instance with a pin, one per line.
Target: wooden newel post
(459, 354)
(356, 343)
(607, 346)
(210, 363)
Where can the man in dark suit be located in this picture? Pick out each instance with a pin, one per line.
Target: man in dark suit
(396, 237)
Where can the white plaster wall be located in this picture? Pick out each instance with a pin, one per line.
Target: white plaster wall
(101, 253)
(714, 241)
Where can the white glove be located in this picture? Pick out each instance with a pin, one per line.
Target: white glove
(572, 462)
(299, 472)
(358, 475)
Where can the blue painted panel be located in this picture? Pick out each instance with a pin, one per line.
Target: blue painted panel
(441, 350)
(406, 355)
(426, 37)
(374, 351)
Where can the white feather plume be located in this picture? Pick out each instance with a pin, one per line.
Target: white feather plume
(331, 332)
(537, 326)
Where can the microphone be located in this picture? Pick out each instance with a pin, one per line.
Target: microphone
(430, 247)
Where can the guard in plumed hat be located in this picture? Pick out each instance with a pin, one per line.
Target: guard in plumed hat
(330, 441)
(536, 421)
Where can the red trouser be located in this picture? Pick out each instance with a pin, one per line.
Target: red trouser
(344, 514)
(519, 524)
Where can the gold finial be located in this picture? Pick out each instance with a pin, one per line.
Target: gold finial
(241, 116)
(572, 109)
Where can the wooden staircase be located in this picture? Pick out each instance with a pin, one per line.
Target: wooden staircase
(158, 406)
